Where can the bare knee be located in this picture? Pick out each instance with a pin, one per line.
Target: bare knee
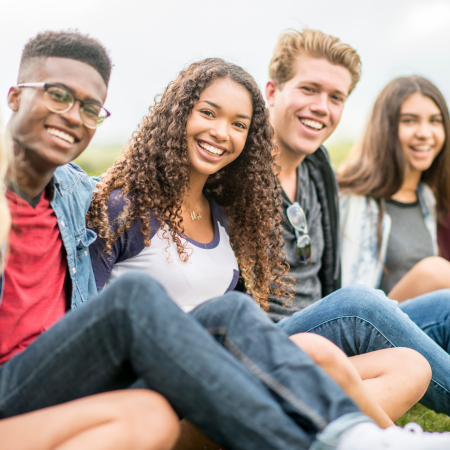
(433, 268)
(150, 419)
(416, 366)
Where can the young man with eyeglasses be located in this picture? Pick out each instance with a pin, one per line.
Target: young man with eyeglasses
(312, 74)
(241, 394)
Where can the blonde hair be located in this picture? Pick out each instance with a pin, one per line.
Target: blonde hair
(5, 218)
(314, 43)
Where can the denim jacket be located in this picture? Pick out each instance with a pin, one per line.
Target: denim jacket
(359, 219)
(72, 194)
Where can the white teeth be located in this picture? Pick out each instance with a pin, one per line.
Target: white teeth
(61, 135)
(422, 148)
(312, 124)
(211, 149)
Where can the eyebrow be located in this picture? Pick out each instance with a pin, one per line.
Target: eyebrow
(415, 115)
(88, 99)
(337, 91)
(241, 116)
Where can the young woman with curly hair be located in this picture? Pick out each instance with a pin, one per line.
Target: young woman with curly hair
(195, 196)
(203, 153)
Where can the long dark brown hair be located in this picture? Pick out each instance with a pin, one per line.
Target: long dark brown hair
(377, 168)
(154, 172)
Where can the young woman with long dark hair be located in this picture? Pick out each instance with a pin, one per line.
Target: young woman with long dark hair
(393, 191)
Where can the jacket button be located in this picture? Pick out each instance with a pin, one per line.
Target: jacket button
(62, 223)
(74, 270)
(85, 253)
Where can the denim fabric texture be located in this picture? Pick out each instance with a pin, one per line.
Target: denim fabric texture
(360, 319)
(431, 312)
(133, 330)
(72, 194)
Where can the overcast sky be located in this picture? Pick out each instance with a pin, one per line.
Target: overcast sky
(151, 41)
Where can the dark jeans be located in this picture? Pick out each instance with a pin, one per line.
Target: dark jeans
(132, 330)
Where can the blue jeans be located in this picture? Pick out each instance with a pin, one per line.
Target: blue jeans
(132, 330)
(431, 312)
(360, 319)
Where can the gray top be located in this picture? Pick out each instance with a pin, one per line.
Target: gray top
(307, 286)
(409, 242)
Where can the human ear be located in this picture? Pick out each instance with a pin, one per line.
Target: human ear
(14, 98)
(270, 92)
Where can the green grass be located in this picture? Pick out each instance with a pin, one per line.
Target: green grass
(95, 160)
(427, 419)
(338, 152)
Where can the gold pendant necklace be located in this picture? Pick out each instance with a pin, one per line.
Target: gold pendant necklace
(194, 216)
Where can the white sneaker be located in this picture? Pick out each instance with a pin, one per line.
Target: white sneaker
(368, 436)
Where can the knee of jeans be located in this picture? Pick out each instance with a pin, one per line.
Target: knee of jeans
(237, 302)
(135, 286)
(364, 300)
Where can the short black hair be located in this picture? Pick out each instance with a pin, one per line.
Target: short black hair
(66, 44)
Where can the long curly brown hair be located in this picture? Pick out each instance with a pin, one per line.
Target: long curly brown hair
(153, 177)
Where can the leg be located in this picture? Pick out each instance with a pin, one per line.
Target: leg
(334, 361)
(431, 312)
(360, 320)
(133, 330)
(430, 274)
(136, 420)
(268, 357)
(241, 327)
(396, 378)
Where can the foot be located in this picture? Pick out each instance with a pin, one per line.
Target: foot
(368, 436)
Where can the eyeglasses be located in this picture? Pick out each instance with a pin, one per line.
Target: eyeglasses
(59, 100)
(297, 219)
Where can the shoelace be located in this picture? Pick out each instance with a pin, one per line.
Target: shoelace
(413, 428)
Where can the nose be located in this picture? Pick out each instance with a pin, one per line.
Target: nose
(424, 130)
(73, 115)
(320, 104)
(220, 130)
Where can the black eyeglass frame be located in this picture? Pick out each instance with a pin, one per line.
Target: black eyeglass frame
(301, 233)
(46, 86)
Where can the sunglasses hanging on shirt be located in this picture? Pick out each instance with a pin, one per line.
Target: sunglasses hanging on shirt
(297, 219)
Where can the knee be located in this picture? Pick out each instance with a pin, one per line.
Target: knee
(150, 419)
(433, 267)
(412, 362)
(134, 279)
(363, 301)
(236, 302)
(135, 287)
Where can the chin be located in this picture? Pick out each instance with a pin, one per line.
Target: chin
(306, 148)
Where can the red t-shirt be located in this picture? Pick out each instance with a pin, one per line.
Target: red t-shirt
(34, 295)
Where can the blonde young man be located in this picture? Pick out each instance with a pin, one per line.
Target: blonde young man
(311, 76)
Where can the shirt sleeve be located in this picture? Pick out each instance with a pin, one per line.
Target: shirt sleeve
(128, 245)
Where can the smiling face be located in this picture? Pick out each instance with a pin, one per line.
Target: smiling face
(307, 109)
(49, 139)
(217, 128)
(420, 131)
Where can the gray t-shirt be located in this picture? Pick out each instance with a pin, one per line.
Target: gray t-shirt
(307, 286)
(409, 242)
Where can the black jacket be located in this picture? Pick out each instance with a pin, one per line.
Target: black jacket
(322, 173)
